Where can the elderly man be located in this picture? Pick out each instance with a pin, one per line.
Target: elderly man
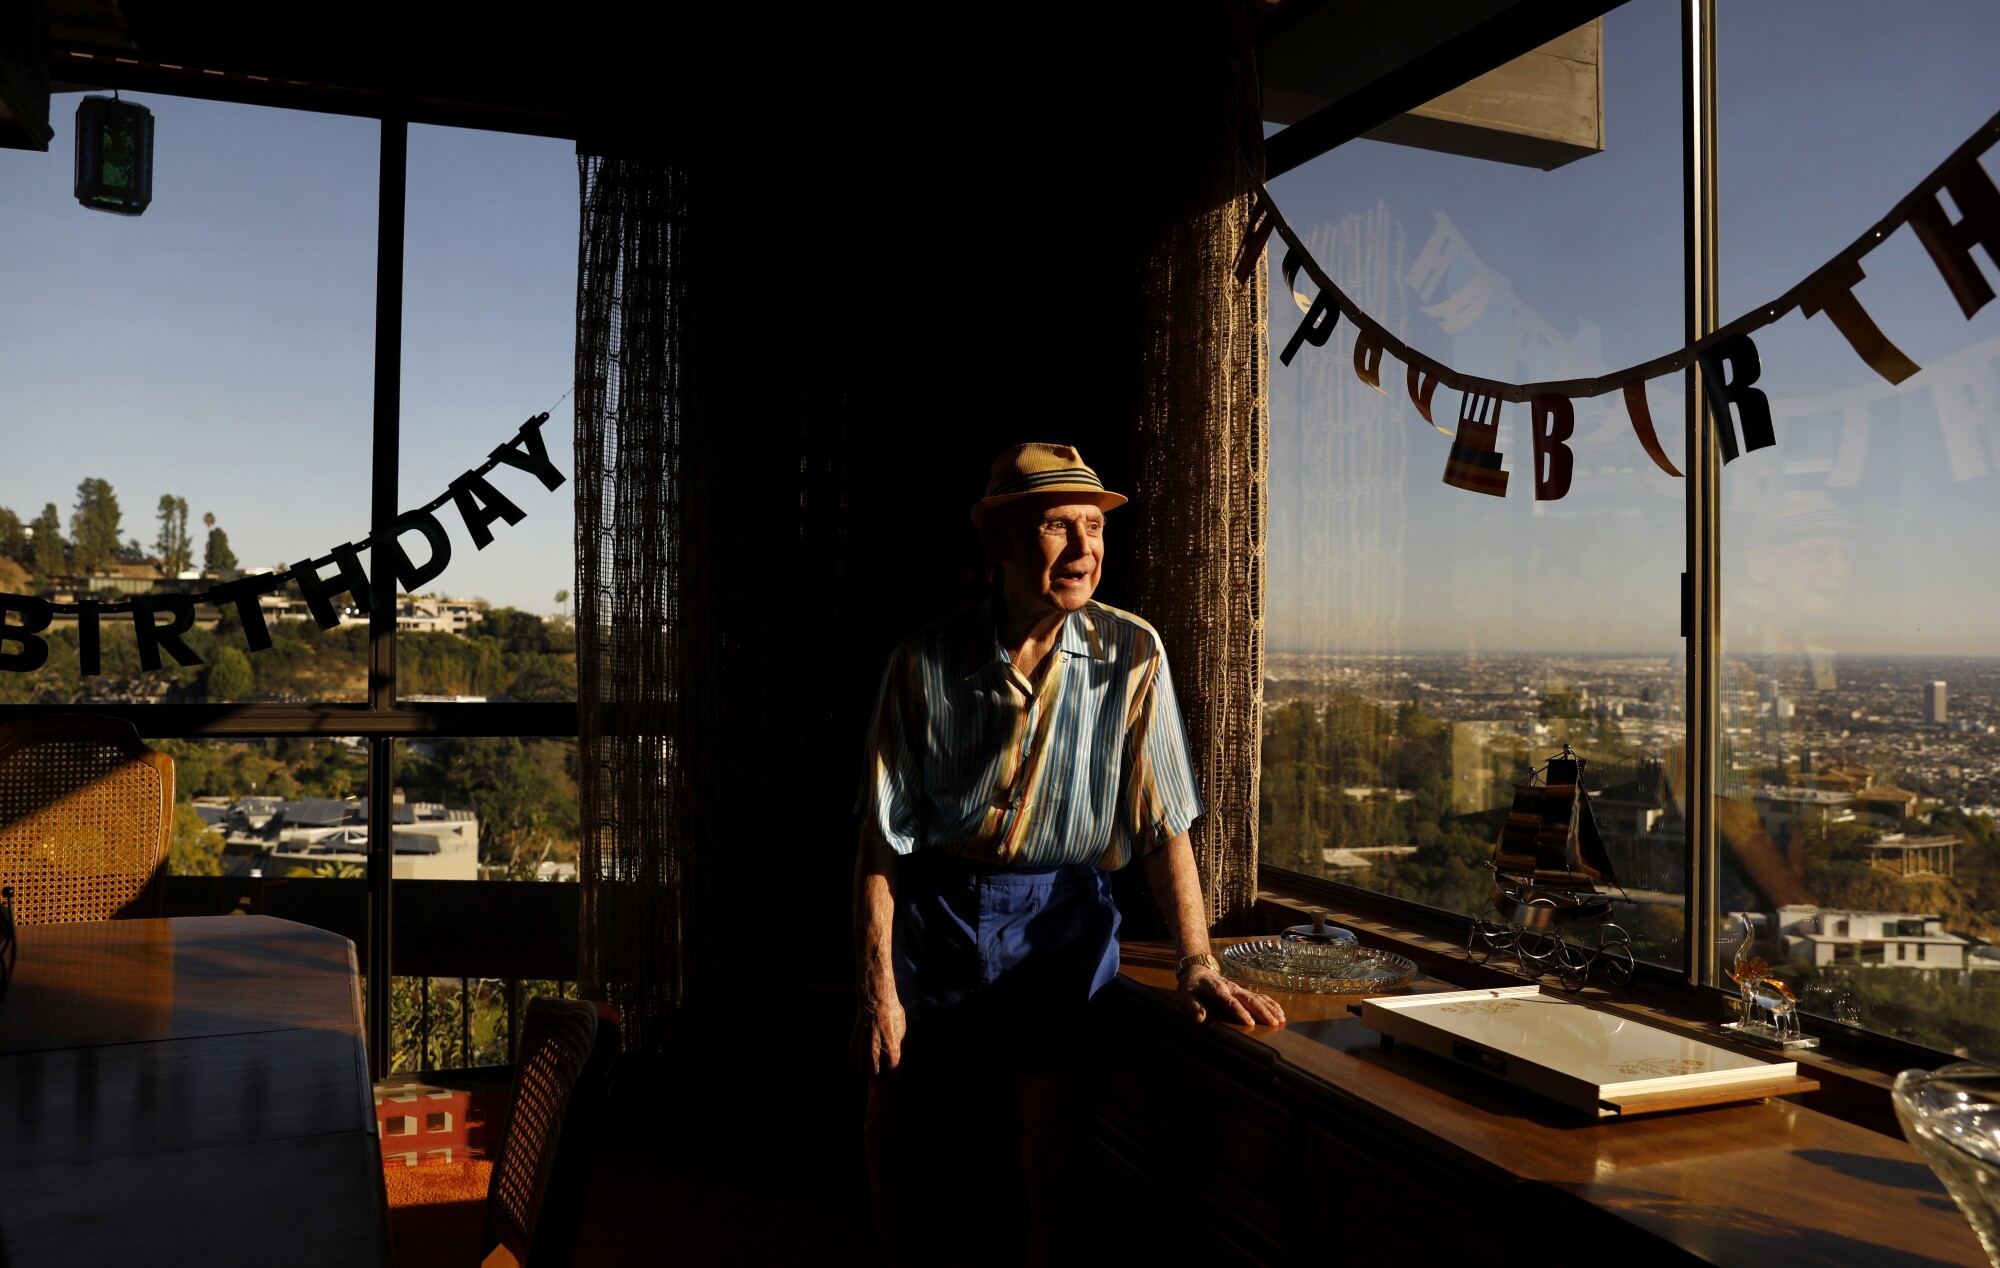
(1020, 753)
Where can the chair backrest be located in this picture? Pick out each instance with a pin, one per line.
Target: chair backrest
(534, 1205)
(86, 812)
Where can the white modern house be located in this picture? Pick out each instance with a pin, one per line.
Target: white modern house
(438, 616)
(1872, 939)
(430, 842)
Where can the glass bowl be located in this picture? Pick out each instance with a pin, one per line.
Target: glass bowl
(1336, 968)
(1952, 1117)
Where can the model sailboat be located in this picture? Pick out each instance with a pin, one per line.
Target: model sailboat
(1547, 867)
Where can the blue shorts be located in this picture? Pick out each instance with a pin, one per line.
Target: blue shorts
(1001, 963)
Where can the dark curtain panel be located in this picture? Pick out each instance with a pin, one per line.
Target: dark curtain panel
(644, 562)
(1200, 436)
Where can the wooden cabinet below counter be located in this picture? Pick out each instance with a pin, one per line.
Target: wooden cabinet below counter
(1295, 1145)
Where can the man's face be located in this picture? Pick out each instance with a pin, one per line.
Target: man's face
(1052, 555)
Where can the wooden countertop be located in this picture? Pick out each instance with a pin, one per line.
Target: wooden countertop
(1747, 1184)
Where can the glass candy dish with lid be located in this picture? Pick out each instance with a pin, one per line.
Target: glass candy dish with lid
(1334, 968)
(1952, 1117)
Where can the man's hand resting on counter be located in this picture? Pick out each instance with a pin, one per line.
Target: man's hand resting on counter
(1203, 989)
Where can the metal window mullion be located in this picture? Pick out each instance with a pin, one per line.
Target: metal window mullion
(1702, 261)
(384, 474)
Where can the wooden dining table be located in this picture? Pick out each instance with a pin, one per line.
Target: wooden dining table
(192, 1090)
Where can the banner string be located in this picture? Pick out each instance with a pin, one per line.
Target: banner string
(1831, 274)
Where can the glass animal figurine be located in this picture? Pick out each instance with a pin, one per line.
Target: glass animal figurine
(1770, 1009)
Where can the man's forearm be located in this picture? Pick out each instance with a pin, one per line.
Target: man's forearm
(1176, 886)
(874, 913)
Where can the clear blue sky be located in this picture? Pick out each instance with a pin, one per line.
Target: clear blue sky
(1830, 110)
(221, 346)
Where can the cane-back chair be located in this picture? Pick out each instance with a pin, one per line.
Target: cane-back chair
(534, 1206)
(534, 1189)
(86, 813)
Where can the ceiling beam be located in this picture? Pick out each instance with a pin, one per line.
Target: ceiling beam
(1473, 50)
(75, 67)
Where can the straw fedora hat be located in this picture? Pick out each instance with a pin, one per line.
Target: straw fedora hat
(1026, 470)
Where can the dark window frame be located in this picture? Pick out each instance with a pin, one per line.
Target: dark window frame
(382, 719)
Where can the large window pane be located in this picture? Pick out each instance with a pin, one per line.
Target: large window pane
(516, 798)
(272, 827)
(489, 320)
(518, 795)
(1859, 692)
(1428, 645)
(278, 809)
(189, 393)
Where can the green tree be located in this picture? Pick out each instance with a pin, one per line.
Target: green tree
(217, 557)
(51, 552)
(195, 849)
(175, 547)
(13, 538)
(513, 629)
(523, 792)
(229, 676)
(94, 525)
(542, 677)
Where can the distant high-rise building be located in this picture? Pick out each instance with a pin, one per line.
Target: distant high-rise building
(1934, 702)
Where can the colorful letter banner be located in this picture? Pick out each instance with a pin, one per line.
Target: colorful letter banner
(1727, 357)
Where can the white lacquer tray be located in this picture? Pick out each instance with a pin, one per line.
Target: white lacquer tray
(1591, 1060)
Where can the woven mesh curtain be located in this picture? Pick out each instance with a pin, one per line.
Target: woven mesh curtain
(644, 569)
(1201, 452)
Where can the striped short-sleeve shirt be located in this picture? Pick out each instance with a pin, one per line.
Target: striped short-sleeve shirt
(1090, 765)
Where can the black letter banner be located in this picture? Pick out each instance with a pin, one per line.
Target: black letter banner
(1554, 421)
(392, 562)
(477, 501)
(152, 637)
(1835, 298)
(35, 617)
(1317, 327)
(1951, 244)
(1753, 409)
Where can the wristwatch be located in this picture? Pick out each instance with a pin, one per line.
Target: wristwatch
(1187, 962)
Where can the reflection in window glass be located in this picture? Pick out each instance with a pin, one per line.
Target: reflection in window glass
(489, 319)
(189, 393)
(496, 809)
(1428, 646)
(1860, 770)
